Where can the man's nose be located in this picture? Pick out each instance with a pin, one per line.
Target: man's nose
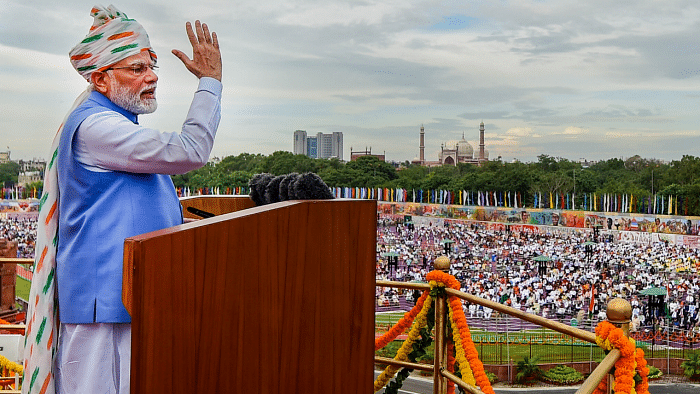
(151, 75)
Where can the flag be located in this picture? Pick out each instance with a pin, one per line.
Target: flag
(592, 303)
(631, 203)
(675, 206)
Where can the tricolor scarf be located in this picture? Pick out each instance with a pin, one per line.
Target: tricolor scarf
(41, 338)
(112, 38)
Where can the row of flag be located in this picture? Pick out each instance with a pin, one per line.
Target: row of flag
(623, 203)
(461, 197)
(19, 192)
(205, 191)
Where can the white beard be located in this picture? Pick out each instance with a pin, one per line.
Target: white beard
(123, 97)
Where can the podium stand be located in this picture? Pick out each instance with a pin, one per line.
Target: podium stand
(271, 299)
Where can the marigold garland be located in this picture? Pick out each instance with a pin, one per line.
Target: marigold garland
(631, 361)
(467, 358)
(402, 354)
(457, 315)
(5, 363)
(464, 368)
(401, 325)
(450, 366)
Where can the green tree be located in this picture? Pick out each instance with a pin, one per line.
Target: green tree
(244, 162)
(372, 166)
(282, 163)
(687, 170)
(8, 173)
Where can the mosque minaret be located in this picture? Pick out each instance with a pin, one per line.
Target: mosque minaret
(482, 149)
(422, 145)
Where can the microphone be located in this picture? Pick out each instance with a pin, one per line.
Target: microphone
(267, 189)
(200, 213)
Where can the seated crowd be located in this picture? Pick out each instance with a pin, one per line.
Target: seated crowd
(22, 231)
(500, 266)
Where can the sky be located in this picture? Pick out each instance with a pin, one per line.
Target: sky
(576, 79)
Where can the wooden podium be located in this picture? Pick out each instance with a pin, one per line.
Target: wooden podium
(271, 299)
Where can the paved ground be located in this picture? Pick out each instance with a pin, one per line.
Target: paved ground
(425, 386)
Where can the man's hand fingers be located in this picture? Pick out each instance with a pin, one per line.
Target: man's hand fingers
(200, 32)
(206, 55)
(207, 35)
(181, 55)
(190, 34)
(215, 40)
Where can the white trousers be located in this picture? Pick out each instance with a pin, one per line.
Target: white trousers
(93, 358)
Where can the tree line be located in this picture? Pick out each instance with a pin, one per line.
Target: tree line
(636, 176)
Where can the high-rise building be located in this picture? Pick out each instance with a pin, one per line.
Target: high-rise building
(322, 146)
(312, 147)
(300, 144)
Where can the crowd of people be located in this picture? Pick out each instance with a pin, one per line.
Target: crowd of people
(576, 283)
(22, 231)
(574, 279)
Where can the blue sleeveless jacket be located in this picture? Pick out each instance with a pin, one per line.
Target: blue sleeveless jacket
(97, 211)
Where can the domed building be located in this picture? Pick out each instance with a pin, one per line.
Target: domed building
(454, 152)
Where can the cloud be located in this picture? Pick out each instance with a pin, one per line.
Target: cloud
(519, 132)
(376, 70)
(572, 131)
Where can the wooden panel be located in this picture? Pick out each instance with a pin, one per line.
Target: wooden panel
(8, 276)
(218, 205)
(273, 299)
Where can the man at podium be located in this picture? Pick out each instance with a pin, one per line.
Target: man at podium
(109, 180)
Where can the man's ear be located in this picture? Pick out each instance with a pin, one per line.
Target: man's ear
(101, 82)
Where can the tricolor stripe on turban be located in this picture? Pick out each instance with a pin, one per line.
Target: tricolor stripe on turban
(112, 37)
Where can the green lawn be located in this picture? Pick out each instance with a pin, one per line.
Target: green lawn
(22, 288)
(548, 345)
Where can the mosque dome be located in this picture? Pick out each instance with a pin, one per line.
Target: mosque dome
(464, 148)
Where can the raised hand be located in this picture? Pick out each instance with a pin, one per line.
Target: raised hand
(206, 56)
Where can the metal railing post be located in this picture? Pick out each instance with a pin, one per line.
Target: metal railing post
(440, 357)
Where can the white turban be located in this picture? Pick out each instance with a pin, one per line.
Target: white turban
(112, 37)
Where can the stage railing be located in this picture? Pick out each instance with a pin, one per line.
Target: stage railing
(439, 367)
